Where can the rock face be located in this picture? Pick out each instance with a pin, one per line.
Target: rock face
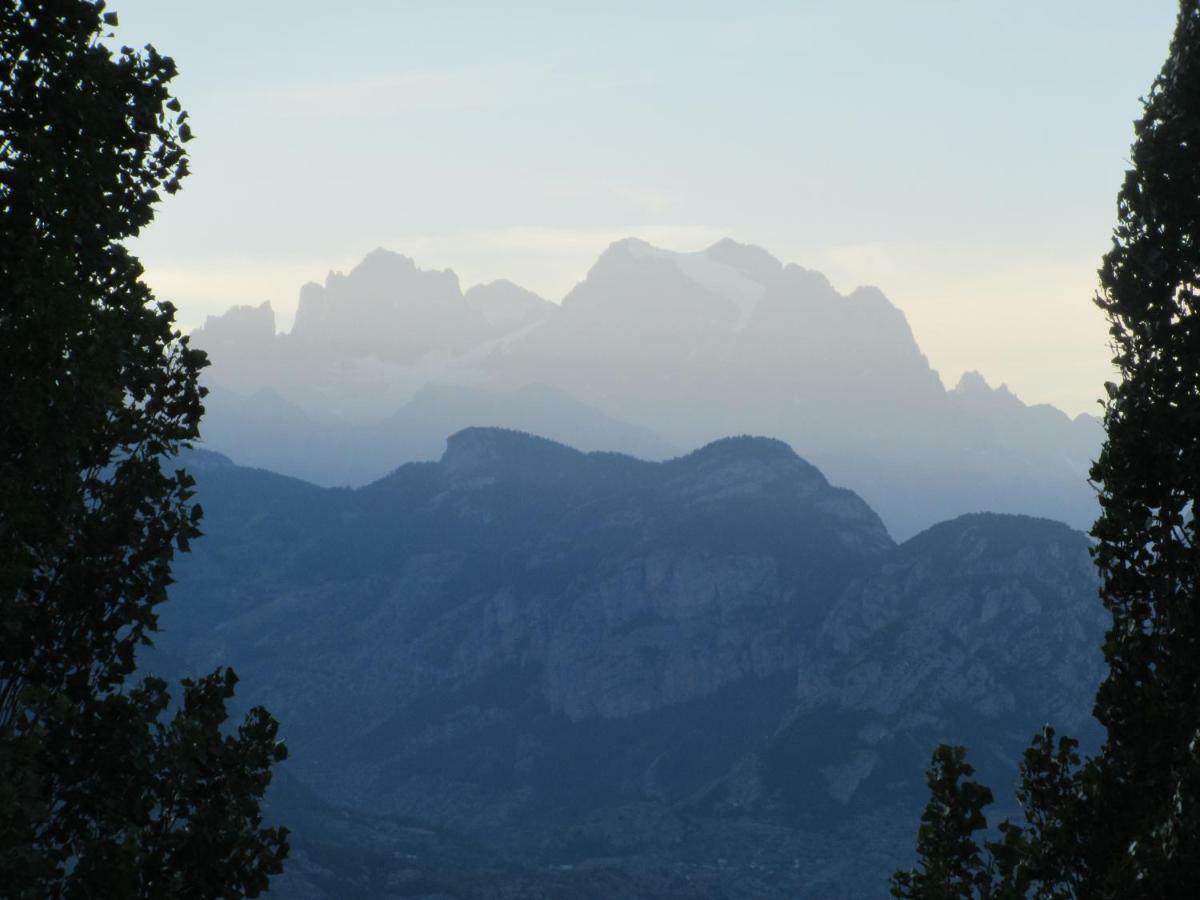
(661, 349)
(389, 307)
(966, 629)
(587, 675)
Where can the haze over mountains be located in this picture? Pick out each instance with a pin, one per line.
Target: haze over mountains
(509, 668)
(525, 671)
(654, 352)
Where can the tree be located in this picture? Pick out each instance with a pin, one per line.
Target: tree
(1045, 855)
(103, 792)
(1149, 478)
(950, 863)
(1126, 823)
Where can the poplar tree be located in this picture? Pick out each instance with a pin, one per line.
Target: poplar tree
(106, 788)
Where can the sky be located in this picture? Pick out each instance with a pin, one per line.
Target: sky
(962, 156)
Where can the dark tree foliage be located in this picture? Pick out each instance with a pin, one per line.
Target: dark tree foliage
(1044, 856)
(1126, 823)
(1149, 475)
(950, 863)
(103, 790)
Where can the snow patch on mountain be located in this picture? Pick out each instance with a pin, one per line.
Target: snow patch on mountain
(712, 275)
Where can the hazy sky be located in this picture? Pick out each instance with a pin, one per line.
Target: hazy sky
(963, 156)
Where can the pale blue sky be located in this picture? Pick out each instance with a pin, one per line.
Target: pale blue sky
(964, 156)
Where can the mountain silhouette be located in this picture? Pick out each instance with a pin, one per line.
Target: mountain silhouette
(522, 659)
(668, 350)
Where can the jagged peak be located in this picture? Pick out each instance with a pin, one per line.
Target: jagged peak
(380, 266)
(972, 380)
(749, 259)
(382, 254)
(239, 322)
(632, 244)
(385, 298)
(972, 383)
(872, 295)
(617, 257)
(626, 249)
(810, 281)
(390, 263)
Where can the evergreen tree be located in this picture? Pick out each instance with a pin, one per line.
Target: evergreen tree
(1149, 478)
(950, 863)
(102, 792)
(1126, 823)
(1044, 856)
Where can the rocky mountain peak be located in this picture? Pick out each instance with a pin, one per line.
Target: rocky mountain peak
(676, 349)
(383, 260)
(238, 325)
(506, 306)
(619, 256)
(748, 259)
(388, 306)
(973, 389)
(973, 384)
(871, 296)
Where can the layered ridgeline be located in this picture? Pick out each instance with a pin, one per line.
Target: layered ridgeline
(527, 671)
(653, 352)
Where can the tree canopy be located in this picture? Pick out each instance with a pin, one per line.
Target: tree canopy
(1149, 478)
(105, 789)
(951, 863)
(1126, 823)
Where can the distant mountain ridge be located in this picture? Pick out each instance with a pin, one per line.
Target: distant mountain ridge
(656, 351)
(590, 675)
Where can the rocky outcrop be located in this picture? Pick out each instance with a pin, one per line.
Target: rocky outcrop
(388, 307)
(975, 631)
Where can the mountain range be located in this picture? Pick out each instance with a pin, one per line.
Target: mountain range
(652, 353)
(523, 670)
